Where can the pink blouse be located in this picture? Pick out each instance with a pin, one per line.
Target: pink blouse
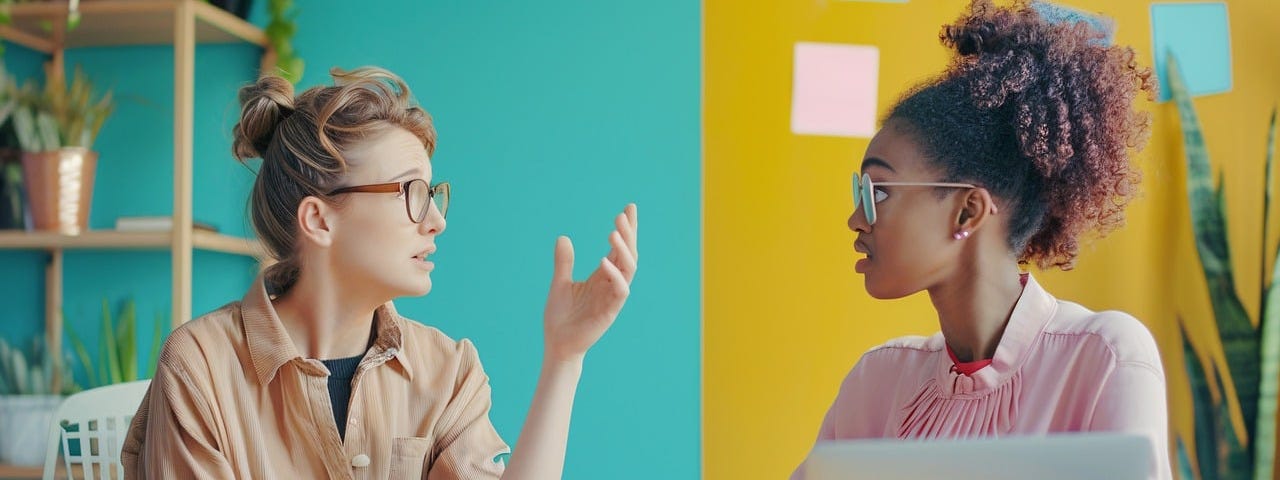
(1058, 368)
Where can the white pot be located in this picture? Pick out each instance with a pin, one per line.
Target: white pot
(24, 428)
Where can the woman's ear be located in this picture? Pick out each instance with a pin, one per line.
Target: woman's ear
(315, 224)
(977, 206)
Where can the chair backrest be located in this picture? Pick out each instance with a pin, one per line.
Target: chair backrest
(90, 426)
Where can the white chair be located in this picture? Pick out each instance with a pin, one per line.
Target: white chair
(101, 418)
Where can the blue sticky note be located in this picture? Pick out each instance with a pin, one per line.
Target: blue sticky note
(1199, 35)
(1055, 13)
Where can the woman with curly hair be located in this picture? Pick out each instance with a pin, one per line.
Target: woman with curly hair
(1020, 147)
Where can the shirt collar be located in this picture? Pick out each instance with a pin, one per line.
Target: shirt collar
(1033, 311)
(270, 346)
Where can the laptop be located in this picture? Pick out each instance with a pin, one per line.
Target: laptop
(1055, 457)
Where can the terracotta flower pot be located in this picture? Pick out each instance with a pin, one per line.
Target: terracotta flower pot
(59, 187)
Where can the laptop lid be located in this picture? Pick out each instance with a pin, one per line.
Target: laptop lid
(1055, 457)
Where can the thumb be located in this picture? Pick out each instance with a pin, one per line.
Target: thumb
(564, 261)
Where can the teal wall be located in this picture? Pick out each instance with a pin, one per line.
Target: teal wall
(552, 115)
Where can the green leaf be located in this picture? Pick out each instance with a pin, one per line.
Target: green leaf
(1269, 320)
(21, 373)
(69, 384)
(83, 353)
(13, 181)
(126, 341)
(1206, 425)
(1220, 203)
(47, 129)
(39, 380)
(278, 8)
(6, 109)
(24, 124)
(1266, 200)
(291, 69)
(113, 357)
(157, 338)
(1204, 217)
(7, 384)
(104, 377)
(1240, 340)
(1265, 439)
(276, 30)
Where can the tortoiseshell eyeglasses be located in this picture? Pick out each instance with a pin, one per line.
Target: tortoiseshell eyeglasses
(418, 196)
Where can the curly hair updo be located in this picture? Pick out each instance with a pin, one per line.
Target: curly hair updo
(1040, 114)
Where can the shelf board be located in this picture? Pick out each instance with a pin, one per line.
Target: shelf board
(112, 239)
(13, 471)
(36, 473)
(125, 22)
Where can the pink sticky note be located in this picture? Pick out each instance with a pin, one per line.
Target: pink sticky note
(835, 89)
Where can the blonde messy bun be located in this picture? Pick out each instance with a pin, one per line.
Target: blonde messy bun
(264, 104)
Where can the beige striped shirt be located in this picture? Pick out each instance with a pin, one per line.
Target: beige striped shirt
(232, 398)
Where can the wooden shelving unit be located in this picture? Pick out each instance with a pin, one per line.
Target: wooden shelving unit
(182, 24)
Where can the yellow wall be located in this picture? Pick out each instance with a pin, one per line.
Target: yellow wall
(785, 315)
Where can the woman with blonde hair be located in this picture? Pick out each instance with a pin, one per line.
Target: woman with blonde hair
(313, 374)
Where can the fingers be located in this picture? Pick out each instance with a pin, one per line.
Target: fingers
(563, 261)
(625, 223)
(621, 257)
(623, 253)
(633, 215)
(619, 286)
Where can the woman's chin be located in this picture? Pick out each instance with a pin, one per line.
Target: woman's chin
(410, 285)
(419, 289)
(879, 291)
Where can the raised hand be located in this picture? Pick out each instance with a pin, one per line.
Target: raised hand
(578, 313)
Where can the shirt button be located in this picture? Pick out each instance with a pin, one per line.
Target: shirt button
(360, 461)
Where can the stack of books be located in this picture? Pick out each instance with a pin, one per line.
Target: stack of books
(155, 224)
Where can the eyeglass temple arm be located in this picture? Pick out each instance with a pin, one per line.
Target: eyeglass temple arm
(378, 188)
(925, 184)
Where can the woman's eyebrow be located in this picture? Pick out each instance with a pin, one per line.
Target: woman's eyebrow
(406, 173)
(876, 162)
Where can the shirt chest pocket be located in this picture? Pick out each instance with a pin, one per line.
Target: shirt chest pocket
(409, 457)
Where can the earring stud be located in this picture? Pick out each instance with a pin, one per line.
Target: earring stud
(961, 235)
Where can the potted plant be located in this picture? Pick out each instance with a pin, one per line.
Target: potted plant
(56, 127)
(28, 401)
(280, 31)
